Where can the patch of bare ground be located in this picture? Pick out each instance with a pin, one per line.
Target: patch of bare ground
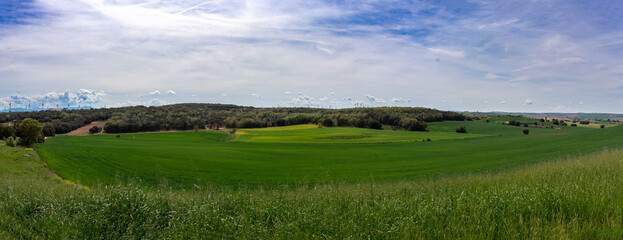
(84, 130)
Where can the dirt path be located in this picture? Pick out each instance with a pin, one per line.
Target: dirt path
(84, 130)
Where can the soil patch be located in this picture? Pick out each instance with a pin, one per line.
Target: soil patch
(84, 130)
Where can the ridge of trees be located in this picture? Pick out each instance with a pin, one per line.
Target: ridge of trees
(189, 116)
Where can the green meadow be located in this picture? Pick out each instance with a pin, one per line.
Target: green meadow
(308, 155)
(572, 197)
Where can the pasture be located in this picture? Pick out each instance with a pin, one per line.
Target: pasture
(306, 155)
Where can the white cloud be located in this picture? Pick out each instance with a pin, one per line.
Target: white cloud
(225, 94)
(458, 54)
(156, 92)
(492, 76)
(374, 99)
(171, 92)
(81, 97)
(256, 95)
(400, 100)
(528, 102)
(502, 102)
(498, 24)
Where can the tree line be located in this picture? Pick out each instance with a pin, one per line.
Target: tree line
(189, 116)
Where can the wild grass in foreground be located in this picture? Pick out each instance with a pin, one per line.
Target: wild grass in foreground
(579, 197)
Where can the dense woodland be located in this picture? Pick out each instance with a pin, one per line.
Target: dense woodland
(190, 116)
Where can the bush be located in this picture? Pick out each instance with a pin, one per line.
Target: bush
(95, 129)
(10, 141)
(574, 125)
(461, 129)
(602, 126)
(526, 131)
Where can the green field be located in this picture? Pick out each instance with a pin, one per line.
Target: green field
(304, 155)
(564, 198)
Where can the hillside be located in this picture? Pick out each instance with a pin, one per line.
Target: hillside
(572, 197)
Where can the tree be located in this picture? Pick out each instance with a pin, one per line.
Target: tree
(374, 124)
(461, 129)
(413, 124)
(95, 129)
(6, 131)
(327, 122)
(342, 122)
(526, 131)
(29, 131)
(48, 130)
(602, 126)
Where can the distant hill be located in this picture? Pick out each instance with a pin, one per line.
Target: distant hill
(592, 116)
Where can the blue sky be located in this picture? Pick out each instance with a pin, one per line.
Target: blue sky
(536, 56)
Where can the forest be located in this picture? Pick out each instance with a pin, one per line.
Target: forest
(189, 116)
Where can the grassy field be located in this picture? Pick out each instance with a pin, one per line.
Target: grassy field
(568, 198)
(302, 155)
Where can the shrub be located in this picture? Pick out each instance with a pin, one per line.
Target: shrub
(10, 141)
(118, 136)
(95, 129)
(526, 131)
(602, 126)
(487, 120)
(574, 125)
(461, 129)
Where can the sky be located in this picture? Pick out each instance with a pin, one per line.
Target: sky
(473, 55)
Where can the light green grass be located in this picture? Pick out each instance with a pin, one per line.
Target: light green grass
(189, 159)
(343, 135)
(569, 198)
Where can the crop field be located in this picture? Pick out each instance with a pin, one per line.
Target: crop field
(307, 155)
(578, 197)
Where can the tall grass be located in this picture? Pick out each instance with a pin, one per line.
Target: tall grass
(577, 197)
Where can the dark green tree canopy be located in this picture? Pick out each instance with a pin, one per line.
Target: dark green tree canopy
(29, 130)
